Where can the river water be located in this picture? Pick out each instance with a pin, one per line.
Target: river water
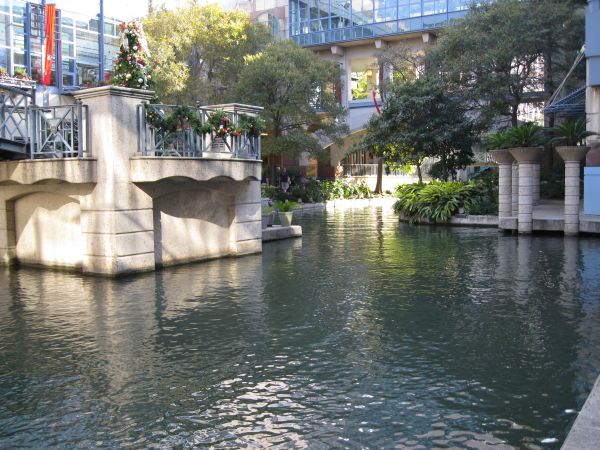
(364, 333)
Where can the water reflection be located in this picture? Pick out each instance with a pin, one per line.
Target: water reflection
(365, 332)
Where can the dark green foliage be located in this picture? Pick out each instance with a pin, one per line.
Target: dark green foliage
(284, 205)
(180, 118)
(341, 188)
(218, 122)
(297, 90)
(319, 191)
(572, 132)
(440, 200)
(527, 135)
(492, 56)
(552, 181)
(498, 140)
(485, 199)
(419, 119)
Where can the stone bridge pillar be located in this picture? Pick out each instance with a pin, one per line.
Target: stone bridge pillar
(117, 217)
(504, 160)
(515, 190)
(527, 158)
(572, 157)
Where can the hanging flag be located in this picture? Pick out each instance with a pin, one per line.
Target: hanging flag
(49, 50)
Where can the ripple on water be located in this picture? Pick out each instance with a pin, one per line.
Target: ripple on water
(365, 333)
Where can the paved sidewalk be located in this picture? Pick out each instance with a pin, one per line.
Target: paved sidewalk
(585, 433)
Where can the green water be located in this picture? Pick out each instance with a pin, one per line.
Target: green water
(365, 333)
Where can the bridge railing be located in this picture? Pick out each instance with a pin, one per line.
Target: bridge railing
(218, 131)
(59, 131)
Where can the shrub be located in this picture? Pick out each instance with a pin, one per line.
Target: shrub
(319, 191)
(440, 200)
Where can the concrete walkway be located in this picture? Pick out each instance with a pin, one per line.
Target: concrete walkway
(585, 433)
(549, 216)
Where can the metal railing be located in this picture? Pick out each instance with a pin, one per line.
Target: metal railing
(14, 106)
(184, 141)
(59, 131)
(370, 170)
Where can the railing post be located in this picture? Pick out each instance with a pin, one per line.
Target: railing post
(79, 110)
(33, 132)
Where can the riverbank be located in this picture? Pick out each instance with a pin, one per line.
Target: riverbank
(585, 432)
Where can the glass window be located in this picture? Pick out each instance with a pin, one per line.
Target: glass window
(66, 34)
(362, 11)
(5, 58)
(415, 8)
(68, 50)
(4, 29)
(66, 21)
(403, 9)
(364, 78)
(434, 7)
(385, 10)
(458, 5)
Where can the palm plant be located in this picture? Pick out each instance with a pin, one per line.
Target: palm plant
(498, 140)
(527, 135)
(572, 132)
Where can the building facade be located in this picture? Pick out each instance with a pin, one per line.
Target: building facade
(85, 47)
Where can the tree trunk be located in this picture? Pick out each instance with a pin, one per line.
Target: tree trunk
(272, 170)
(379, 183)
(514, 111)
(419, 174)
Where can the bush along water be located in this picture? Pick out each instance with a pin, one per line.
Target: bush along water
(311, 190)
(440, 200)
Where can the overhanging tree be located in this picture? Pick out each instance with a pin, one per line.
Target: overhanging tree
(298, 92)
(419, 120)
(508, 52)
(198, 51)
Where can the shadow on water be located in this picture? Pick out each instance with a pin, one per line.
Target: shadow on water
(366, 332)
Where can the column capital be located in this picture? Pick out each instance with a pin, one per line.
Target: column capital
(502, 156)
(572, 153)
(527, 155)
(116, 91)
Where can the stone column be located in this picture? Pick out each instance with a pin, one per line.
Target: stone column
(246, 236)
(116, 218)
(504, 160)
(526, 157)
(572, 157)
(515, 190)
(7, 232)
(536, 183)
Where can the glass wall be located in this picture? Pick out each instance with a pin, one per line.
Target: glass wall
(315, 22)
(77, 45)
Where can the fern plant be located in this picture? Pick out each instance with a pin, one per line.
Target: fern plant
(572, 132)
(498, 140)
(527, 135)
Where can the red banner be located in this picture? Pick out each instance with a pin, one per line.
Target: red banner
(49, 51)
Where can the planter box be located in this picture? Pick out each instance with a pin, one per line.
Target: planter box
(268, 220)
(285, 218)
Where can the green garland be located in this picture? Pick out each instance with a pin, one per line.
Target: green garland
(218, 122)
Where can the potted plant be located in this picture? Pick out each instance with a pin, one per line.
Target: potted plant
(497, 145)
(571, 136)
(268, 216)
(526, 142)
(285, 212)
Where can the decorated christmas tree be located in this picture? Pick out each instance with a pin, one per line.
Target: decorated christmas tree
(131, 67)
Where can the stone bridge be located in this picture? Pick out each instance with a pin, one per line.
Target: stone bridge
(116, 207)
